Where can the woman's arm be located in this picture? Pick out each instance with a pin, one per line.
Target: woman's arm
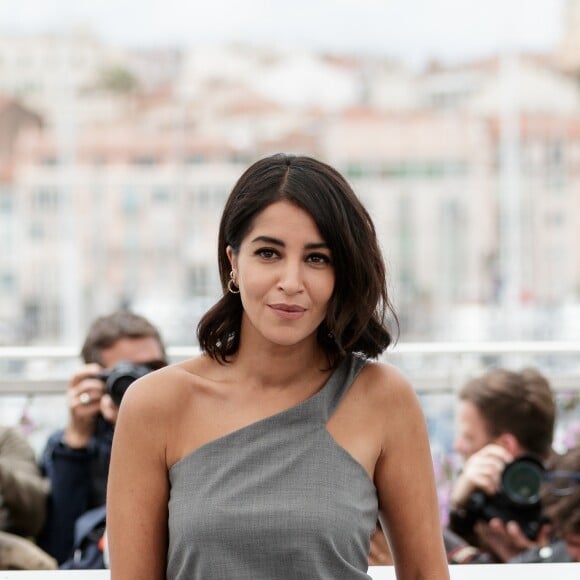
(138, 489)
(406, 483)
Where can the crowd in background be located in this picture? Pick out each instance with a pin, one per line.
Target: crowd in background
(52, 509)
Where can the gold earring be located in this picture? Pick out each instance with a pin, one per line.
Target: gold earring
(232, 285)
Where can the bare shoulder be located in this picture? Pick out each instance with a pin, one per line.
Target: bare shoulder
(164, 390)
(383, 382)
(389, 398)
(392, 403)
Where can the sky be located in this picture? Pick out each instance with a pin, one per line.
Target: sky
(412, 31)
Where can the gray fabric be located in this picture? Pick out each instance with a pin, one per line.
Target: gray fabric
(276, 499)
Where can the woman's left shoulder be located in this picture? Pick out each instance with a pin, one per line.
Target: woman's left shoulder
(386, 392)
(383, 382)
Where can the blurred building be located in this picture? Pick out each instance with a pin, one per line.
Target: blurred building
(569, 49)
(15, 119)
(470, 172)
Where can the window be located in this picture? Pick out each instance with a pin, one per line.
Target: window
(6, 203)
(130, 201)
(161, 195)
(198, 280)
(37, 231)
(145, 160)
(45, 199)
(7, 282)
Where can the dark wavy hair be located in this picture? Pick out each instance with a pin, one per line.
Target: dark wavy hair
(356, 319)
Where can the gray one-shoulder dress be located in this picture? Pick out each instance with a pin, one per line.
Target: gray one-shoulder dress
(276, 499)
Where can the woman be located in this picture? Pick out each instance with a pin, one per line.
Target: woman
(272, 454)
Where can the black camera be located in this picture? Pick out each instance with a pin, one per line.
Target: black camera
(518, 498)
(118, 379)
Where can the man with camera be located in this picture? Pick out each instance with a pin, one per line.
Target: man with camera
(118, 349)
(561, 496)
(505, 429)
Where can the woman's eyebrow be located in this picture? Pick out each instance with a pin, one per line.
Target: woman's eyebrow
(317, 245)
(277, 242)
(269, 240)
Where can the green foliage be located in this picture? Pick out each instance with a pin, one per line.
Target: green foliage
(117, 80)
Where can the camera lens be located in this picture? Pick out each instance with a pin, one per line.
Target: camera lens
(522, 480)
(119, 386)
(121, 377)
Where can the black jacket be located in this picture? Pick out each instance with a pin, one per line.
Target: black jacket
(78, 480)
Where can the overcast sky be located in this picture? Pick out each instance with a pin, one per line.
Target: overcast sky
(410, 30)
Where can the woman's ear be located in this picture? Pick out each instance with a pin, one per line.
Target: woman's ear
(231, 257)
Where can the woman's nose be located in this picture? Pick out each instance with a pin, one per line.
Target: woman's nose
(291, 281)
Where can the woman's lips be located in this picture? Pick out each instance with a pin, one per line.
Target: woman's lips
(288, 311)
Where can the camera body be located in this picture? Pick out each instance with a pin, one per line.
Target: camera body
(118, 379)
(518, 499)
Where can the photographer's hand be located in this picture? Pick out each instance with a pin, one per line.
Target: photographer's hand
(84, 394)
(481, 471)
(505, 541)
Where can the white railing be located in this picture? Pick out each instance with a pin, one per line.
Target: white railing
(431, 366)
(33, 379)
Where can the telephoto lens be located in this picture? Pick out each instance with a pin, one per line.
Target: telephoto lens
(118, 379)
(518, 499)
(522, 480)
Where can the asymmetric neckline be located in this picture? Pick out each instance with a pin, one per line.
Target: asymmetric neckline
(264, 421)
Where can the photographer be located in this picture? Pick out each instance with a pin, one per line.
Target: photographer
(561, 507)
(562, 493)
(76, 459)
(502, 416)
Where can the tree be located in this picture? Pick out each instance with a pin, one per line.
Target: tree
(117, 80)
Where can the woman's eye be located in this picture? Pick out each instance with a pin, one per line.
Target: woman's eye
(319, 259)
(266, 253)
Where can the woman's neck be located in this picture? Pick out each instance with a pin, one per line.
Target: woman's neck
(278, 365)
